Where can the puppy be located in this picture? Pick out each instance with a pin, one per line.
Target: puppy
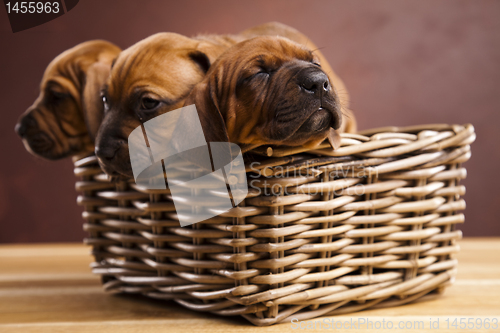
(270, 91)
(64, 119)
(278, 29)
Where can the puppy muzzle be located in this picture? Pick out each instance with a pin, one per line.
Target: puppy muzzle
(316, 87)
(111, 157)
(26, 125)
(35, 139)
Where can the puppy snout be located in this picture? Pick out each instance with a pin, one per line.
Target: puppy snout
(25, 124)
(314, 81)
(336, 120)
(20, 129)
(108, 151)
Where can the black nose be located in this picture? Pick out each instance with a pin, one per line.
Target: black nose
(108, 151)
(314, 81)
(20, 129)
(27, 122)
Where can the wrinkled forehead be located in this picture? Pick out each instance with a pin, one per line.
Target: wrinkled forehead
(159, 46)
(275, 51)
(69, 64)
(62, 72)
(155, 67)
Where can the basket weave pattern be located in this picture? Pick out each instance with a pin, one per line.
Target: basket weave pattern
(321, 232)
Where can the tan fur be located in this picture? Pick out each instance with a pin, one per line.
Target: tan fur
(71, 122)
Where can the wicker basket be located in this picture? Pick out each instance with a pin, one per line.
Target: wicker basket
(321, 232)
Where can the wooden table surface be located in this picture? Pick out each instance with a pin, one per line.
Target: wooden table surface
(49, 288)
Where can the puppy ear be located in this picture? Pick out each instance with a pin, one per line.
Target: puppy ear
(92, 105)
(207, 53)
(201, 59)
(211, 119)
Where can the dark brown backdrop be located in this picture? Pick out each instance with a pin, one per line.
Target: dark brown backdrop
(404, 63)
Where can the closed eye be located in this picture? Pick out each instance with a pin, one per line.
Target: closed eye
(57, 96)
(260, 74)
(245, 79)
(55, 92)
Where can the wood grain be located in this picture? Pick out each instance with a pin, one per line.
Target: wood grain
(49, 288)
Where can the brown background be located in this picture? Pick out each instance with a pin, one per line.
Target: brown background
(404, 63)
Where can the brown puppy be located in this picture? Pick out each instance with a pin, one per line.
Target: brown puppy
(150, 78)
(269, 90)
(279, 29)
(64, 119)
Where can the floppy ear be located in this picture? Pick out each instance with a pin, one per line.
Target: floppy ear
(92, 105)
(208, 53)
(211, 119)
(201, 59)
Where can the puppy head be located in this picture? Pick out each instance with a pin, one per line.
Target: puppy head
(64, 118)
(268, 90)
(150, 78)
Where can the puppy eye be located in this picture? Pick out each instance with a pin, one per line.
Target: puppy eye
(316, 64)
(57, 96)
(148, 103)
(105, 102)
(250, 77)
(264, 70)
(261, 73)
